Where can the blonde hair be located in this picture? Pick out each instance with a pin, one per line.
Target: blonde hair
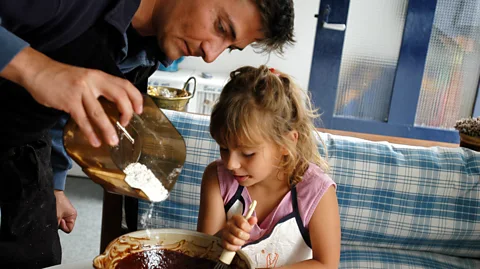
(258, 103)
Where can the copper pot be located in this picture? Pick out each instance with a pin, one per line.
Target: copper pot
(179, 102)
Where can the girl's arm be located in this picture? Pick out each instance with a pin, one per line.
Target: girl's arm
(211, 217)
(325, 235)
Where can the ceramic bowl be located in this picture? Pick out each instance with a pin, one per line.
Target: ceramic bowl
(188, 242)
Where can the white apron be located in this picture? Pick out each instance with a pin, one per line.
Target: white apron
(288, 242)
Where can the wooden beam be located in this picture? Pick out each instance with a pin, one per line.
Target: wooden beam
(391, 139)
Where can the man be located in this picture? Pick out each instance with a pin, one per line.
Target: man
(61, 56)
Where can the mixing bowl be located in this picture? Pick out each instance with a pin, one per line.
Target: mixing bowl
(191, 243)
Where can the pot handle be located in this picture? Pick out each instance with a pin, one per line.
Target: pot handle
(194, 85)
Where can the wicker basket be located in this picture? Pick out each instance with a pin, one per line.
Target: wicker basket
(173, 103)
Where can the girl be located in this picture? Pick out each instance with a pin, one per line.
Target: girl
(263, 124)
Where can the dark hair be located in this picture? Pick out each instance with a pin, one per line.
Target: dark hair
(260, 104)
(277, 20)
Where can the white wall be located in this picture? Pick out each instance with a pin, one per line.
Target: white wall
(296, 61)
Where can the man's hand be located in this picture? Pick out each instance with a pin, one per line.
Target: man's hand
(76, 91)
(66, 213)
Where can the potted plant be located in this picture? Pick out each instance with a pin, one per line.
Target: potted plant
(469, 129)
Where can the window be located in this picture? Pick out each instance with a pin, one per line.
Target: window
(401, 68)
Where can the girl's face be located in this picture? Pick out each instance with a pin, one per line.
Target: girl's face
(252, 165)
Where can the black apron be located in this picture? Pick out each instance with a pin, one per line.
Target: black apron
(29, 231)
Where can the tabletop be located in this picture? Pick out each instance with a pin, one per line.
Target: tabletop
(86, 264)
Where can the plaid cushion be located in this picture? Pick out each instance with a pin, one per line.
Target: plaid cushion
(359, 257)
(407, 197)
(390, 196)
(181, 208)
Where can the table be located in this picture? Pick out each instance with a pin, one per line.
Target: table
(86, 264)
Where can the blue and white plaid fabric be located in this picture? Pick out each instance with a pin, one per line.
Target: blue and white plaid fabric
(181, 208)
(400, 206)
(362, 257)
(407, 197)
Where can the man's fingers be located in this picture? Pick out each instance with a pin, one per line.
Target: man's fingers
(67, 227)
(121, 99)
(127, 98)
(80, 116)
(70, 225)
(63, 226)
(96, 114)
(134, 95)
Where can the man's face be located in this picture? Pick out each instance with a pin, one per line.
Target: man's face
(205, 28)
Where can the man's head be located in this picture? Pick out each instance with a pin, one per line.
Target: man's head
(206, 28)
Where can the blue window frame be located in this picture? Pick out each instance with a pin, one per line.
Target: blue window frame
(476, 110)
(325, 68)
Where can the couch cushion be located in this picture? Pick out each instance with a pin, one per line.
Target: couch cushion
(181, 208)
(390, 195)
(407, 197)
(357, 257)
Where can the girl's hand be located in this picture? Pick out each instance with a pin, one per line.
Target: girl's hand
(236, 232)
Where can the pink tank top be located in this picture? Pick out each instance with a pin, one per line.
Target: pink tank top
(308, 192)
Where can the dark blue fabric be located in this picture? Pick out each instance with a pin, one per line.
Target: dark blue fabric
(48, 25)
(11, 45)
(61, 163)
(27, 121)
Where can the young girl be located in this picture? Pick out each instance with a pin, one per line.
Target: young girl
(263, 124)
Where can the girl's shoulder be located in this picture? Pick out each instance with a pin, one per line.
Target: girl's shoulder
(315, 177)
(311, 189)
(215, 170)
(225, 179)
(209, 178)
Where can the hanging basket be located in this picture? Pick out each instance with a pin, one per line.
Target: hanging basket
(471, 142)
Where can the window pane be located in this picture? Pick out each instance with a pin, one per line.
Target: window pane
(450, 79)
(369, 59)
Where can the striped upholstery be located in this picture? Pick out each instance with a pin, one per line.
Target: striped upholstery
(400, 206)
(362, 257)
(407, 197)
(181, 208)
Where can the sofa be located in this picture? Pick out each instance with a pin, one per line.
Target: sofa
(400, 206)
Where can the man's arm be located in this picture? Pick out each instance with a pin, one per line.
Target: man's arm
(61, 163)
(71, 89)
